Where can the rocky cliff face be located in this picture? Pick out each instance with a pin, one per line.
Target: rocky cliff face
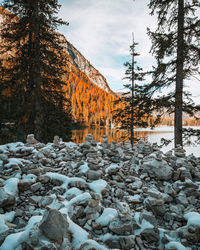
(84, 66)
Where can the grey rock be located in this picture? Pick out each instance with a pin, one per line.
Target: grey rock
(19, 222)
(127, 242)
(31, 139)
(148, 217)
(35, 199)
(121, 228)
(150, 235)
(159, 169)
(91, 245)
(36, 186)
(4, 158)
(54, 225)
(94, 175)
(6, 199)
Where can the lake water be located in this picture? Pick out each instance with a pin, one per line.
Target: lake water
(155, 135)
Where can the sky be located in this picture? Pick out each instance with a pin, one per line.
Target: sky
(102, 31)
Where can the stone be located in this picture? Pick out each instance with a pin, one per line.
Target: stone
(36, 186)
(4, 158)
(35, 199)
(6, 199)
(56, 140)
(148, 217)
(94, 175)
(179, 151)
(150, 235)
(182, 199)
(121, 228)
(23, 185)
(159, 169)
(19, 222)
(31, 139)
(54, 225)
(91, 245)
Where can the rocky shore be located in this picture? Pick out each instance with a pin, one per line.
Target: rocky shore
(98, 196)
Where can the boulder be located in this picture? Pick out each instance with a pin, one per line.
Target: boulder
(158, 168)
(54, 225)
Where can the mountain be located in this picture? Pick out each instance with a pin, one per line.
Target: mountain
(92, 100)
(84, 66)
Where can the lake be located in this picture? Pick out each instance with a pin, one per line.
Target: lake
(147, 134)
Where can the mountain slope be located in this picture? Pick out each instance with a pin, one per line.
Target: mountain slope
(84, 66)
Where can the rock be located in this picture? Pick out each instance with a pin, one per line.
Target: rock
(6, 199)
(4, 158)
(94, 175)
(23, 185)
(56, 140)
(121, 228)
(150, 235)
(91, 245)
(148, 217)
(35, 199)
(179, 151)
(139, 185)
(159, 169)
(54, 225)
(127, 242)
(31, 139)
(36, 186)
(19, 222)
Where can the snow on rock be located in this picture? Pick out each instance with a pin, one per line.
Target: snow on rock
(175, 245)
(91, 244)
(7, 217)
(107, 216)
(107, 196)
(79, 235)
(98, 186)
(13, 241)
(193, 218)
(112, 169)
(11, 186)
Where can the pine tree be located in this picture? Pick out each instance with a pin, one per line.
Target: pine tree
(137, 110)
(175, 46)
(36, 57)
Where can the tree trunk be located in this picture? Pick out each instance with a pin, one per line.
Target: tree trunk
(179, 75)
(132, 96)
(37, 81)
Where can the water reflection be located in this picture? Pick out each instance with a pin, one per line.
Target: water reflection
(78, 135)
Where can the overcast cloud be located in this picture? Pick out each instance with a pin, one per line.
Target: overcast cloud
(102, 31)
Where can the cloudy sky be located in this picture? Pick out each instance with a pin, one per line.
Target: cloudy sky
(102, 31)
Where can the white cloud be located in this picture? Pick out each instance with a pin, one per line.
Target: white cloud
(102, 31)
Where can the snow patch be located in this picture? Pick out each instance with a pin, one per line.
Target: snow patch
(97, 186)
(176, 245)
(11, 186)
(13, 241)
(107, 216)
(193, 218)
(6, 217)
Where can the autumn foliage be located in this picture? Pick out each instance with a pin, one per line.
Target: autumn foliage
(90, 104)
